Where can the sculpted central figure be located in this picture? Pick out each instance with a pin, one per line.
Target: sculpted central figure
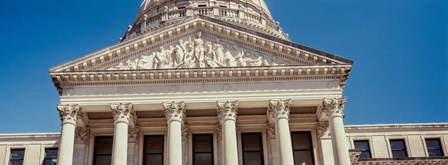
(199, 50)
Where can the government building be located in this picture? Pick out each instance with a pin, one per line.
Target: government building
(213, 82)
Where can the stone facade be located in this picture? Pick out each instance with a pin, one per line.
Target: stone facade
(216, 67)
(377, 135)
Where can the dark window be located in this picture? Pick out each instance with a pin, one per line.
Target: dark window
(434, 147)
(103, 150)
(202, 5)
(398, 148)
(252, 149)
(364, 147)
(51, 155)
(302, 148)
(203, 149)
(16, 157)
(154, 145)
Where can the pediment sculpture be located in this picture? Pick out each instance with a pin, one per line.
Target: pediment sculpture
(198, 53)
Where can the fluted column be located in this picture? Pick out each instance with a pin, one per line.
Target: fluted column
(122, 113)
(279, 110)
(174, 113)
(227, 112)
(68, 115)
(334, 109)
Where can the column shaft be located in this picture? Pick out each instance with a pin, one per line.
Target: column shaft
(175, 142)
(65, 155)
(339, 139)
(230, 143)
(284, 141)
(120, 146)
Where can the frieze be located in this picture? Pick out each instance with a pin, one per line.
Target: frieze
(199, 52)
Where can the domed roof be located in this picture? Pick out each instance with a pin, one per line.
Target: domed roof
(253, 14)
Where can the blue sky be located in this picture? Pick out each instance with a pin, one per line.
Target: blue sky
(400, 49)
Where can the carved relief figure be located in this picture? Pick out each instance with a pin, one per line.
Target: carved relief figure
(218, 51)
(199, 50)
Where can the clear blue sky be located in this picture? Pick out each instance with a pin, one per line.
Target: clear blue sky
(400, 74)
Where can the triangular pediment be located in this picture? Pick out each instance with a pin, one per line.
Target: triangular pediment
(198, 51)
(199, 43)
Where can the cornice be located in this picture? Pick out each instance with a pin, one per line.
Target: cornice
(201, 76)
(394, 127)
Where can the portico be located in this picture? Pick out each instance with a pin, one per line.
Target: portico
(179, 126)
(203, 83)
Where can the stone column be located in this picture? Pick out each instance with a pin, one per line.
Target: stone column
(122, 113)
(175, 113)
(279, 110)
(68, 115)
(334, 109)
(227, 112)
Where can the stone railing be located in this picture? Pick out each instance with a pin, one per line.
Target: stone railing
(152, 21)
(354, 155)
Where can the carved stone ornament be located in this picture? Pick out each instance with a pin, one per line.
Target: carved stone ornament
(322, 128)
(280, 108)
(122, 112)
(198, 53)
(270, 128)
(174, 111)
(227, 110)
(219, 131)
(68, 113)
(185, 130)
(82, 134)
(334, 107)
(133, 134)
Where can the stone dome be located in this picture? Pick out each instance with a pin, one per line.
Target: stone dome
(251, 14)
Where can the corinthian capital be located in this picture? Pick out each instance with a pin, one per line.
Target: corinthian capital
(174, 111)
(279, 109)
(334, 107)
(121, 112)
(227, 110)
(68, 113)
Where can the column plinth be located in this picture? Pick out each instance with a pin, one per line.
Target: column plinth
(227, 112)
(175, 113)
(68, 115)
(279, 111)
(334, 109)
(121, 113)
